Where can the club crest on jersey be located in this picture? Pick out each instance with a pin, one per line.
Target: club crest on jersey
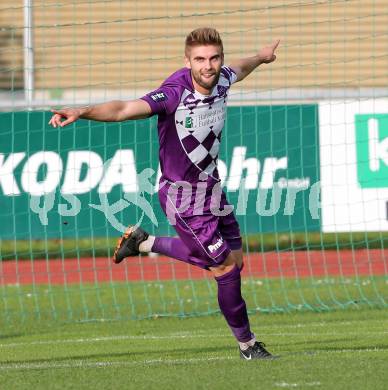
(188, 122)
(159, 97)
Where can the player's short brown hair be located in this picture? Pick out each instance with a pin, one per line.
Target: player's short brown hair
(203, 36)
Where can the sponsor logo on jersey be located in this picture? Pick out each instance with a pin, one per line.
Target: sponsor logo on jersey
(188, 122)
(217, 245)
(159, 97)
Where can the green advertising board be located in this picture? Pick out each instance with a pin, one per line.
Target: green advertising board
(372, 150)
(91, 179)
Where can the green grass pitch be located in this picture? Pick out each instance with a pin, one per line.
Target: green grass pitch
(341, 349)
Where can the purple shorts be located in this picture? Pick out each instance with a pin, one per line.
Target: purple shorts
(209, 232)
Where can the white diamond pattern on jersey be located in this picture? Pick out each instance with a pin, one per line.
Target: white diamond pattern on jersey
(204, 154)
(199, 124)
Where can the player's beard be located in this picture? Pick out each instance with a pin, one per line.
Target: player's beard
(210, 84)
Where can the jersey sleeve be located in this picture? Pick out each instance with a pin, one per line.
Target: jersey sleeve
(163, 100)
(229, 73)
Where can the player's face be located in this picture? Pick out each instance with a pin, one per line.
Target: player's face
(205, 63)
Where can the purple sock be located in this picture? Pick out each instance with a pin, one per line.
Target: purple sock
(232, 304)
(171, 247)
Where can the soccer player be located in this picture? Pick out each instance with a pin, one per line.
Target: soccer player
(191, 108)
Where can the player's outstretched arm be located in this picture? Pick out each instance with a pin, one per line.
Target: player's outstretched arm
(114, 111)
(245, 66)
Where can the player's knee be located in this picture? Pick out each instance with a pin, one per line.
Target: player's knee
(224, 270)
(231, 262)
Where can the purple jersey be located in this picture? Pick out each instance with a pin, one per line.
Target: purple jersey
(190, 125)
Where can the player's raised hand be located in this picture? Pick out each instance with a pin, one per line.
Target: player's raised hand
(69, 115)
(267, 53)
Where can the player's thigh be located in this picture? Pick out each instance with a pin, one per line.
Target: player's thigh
(230, 231)
(200, 233)
(229, 227)
(238, 255)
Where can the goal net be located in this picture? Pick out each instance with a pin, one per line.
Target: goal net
(304, 156)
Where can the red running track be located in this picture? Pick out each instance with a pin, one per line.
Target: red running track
(260, 265)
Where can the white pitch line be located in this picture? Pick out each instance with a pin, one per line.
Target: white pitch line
(83, 364)
(177, 337)
(286, 384)
(346, 350)
(108, 338)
